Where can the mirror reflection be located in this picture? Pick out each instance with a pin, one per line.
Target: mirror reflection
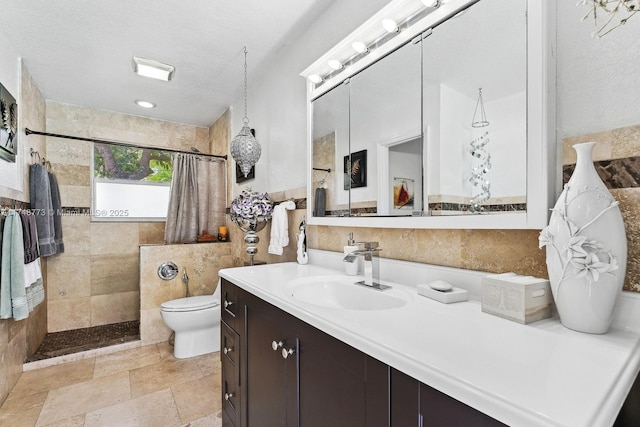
(441, 120)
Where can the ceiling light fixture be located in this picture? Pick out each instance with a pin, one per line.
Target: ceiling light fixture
(360, 47)
(245, 148)
(153, 69)
(315, 78)
(390, 25)
(430, 3)
(145, 104)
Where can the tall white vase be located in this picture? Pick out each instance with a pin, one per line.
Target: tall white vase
(586, 248)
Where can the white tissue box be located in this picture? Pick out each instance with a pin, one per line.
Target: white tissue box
(523, 299)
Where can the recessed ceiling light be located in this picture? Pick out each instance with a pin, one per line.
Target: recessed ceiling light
(145, 104)
(153, 69)
(314, 78)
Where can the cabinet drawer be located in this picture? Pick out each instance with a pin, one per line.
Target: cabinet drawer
(231, 393)
(230, 348)
(231, 312)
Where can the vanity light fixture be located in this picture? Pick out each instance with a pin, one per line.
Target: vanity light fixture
(390, 25)
(335, 64)
(153, 69)
(360, 47)
(144, 104)
(315, 78)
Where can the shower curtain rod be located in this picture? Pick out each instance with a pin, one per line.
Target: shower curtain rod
(120, 144)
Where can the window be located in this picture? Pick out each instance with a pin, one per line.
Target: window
(130, 183)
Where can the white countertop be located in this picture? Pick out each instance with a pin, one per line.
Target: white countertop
(541, 374)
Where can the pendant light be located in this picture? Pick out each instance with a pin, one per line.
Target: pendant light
(245, 148)
(479, 118)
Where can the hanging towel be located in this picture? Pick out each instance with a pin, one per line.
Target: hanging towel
(280, 227)
(32, 270)
(319, 206)
(13, 296)
(40, 195)
(56, 205)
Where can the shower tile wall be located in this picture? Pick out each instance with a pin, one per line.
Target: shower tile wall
(202, 261)
(96, 280)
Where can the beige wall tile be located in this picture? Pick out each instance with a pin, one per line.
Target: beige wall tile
(76, 234)
(115, 308)
(111, 274)
(602, 151)
(151, 233)
(66, 174)
(629, 199)
(74, 313)
(75, 196)
(64, 151)
(152, 328)
(626, 142)
(114, 238)
(68, 277)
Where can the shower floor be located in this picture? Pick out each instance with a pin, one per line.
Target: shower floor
(74, 341)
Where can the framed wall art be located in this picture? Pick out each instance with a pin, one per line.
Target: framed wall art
(355, 170)
(8, 126)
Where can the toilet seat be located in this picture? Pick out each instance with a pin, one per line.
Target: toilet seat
(190, 304)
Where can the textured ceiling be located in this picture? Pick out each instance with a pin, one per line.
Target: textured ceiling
(80, 51)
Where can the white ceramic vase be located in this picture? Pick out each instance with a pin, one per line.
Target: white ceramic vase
(586, 248)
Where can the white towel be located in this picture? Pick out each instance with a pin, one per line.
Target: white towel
(280, 227)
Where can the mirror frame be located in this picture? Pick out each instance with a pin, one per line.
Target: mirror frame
(541, 115)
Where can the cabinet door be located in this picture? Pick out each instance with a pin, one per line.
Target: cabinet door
(269, 396)
(437, 409)
(339, 385)
(231, 312)
(405, 400)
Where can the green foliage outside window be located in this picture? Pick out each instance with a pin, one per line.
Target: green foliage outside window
(137, 164)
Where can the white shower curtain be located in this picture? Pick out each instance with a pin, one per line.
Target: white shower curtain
(198, 198)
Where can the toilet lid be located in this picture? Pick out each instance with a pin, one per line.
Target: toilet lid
(190, 303)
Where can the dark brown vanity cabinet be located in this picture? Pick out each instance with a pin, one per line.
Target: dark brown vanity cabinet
(279, 371)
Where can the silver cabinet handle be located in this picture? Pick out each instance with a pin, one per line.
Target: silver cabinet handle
(228, 350)
(228, 396)
(275, 345)
(286, 353)
(227, 304)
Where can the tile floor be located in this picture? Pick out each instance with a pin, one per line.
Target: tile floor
(142, 386)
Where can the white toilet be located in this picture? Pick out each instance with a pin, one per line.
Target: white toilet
(196, 323)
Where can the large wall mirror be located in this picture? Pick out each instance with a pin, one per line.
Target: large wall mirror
(452, 127)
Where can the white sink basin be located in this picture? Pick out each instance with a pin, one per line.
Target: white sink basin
(340, 292)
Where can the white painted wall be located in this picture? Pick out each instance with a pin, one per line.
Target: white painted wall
(11, 181)
(277, 97)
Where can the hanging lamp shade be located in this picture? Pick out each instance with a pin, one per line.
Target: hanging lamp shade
(245, 148)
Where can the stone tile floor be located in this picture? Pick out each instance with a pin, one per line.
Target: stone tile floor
(142, 386)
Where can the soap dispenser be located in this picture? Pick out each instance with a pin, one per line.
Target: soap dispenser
(351, 267)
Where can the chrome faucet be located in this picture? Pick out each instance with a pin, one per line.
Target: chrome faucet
(185, 280)
(369, 253)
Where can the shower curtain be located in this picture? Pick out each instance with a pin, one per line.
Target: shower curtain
(197, 199)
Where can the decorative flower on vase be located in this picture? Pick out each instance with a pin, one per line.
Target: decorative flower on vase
(251, 210)
(579, 256)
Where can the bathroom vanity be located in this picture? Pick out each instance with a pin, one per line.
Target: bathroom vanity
(290, 359)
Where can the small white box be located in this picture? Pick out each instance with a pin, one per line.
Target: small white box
(454, 295)
(523, 299)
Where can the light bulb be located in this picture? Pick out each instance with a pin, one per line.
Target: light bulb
(314, 78)
(390, 25)
(359, 47)
(430, 3)
(335, 64)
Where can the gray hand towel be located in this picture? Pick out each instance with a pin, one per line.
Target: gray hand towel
(319, 207)
(57, 212)
(40, 196)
